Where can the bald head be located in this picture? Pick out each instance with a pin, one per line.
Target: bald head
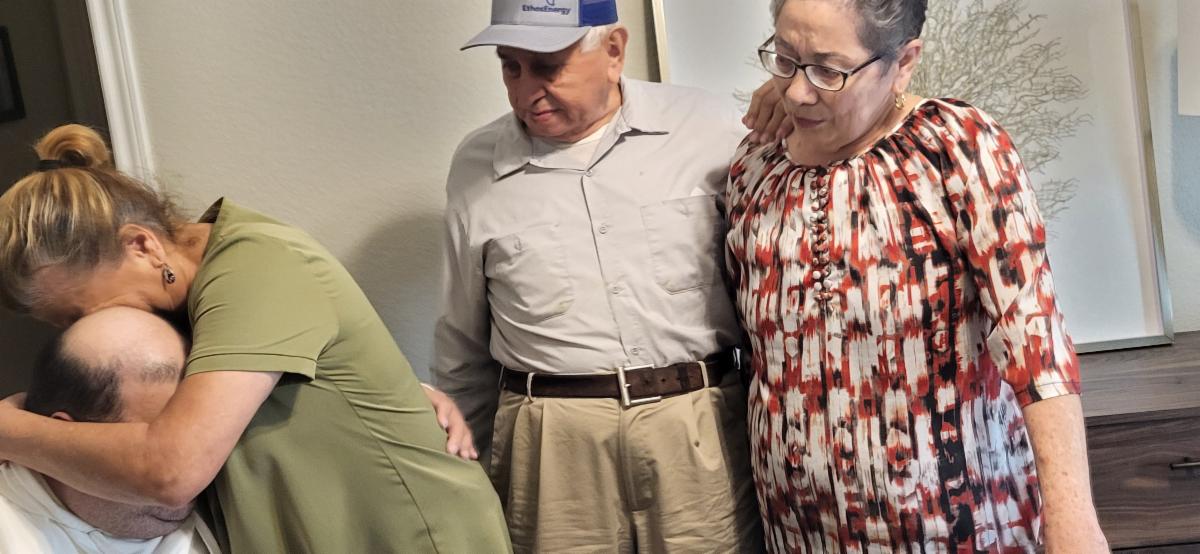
(116, 365)
(100, 367)
(133, 343)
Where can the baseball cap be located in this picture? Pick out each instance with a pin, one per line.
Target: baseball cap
(543, 25)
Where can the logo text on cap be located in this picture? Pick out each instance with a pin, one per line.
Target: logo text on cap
(548, 8)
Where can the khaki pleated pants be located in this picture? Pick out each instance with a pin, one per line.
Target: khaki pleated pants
(587, 475)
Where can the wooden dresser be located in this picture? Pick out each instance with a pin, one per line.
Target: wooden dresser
(1143, 425)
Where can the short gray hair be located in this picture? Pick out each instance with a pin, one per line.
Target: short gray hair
(886, 24)
(595, 36)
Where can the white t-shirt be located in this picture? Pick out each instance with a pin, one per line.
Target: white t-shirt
(568, 154)
(33, 521)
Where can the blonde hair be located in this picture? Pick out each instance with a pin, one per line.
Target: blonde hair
(70, 213)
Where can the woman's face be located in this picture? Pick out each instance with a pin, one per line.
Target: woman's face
(70, 295)
(829, 123)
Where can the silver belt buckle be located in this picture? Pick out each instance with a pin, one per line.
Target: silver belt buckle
(626, 401)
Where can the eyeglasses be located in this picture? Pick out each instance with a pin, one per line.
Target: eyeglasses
(822, 77)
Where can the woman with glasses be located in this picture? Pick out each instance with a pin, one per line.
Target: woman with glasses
(914, 386)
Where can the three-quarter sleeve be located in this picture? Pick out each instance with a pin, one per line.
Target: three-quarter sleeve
(1003, 238)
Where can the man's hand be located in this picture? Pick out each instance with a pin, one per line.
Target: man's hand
(451, 419)
(766, 117)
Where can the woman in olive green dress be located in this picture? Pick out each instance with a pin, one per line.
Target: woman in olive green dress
(297, 406)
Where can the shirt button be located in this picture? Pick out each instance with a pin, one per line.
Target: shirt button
(635, 351)
(603, 228)
(588, 173)
(616, 289)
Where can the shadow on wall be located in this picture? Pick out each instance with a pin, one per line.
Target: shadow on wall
(21, 338)
(1185, 159)
(399, 265)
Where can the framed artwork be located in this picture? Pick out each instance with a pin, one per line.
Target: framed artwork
(1065, 78)
(11, 105)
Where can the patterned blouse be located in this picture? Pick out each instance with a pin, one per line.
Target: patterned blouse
(901, 313)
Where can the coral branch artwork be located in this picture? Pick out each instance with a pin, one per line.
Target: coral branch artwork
(999, 56)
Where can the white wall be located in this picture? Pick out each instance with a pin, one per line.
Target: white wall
(1176, 155)
(338, 117)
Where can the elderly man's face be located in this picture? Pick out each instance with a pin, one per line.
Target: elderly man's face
(563, 95)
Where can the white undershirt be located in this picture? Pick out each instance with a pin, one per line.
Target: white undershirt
(33, 521)
(575, 155)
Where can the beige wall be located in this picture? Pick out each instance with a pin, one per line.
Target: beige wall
(339, 117)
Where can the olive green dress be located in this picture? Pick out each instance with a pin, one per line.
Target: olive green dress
(345, 455)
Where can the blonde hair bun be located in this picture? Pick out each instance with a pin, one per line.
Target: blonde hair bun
(74, 145)
(69, 214)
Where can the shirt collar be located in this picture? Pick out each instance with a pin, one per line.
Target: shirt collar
(30, 492)
(638, 114)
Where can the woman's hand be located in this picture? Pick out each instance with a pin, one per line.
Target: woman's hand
(15, 401)
(766, 118)
(451, 419)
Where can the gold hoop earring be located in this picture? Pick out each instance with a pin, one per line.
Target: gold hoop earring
(168, 275)
(900, 99)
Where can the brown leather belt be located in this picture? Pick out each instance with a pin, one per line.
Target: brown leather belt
(632, 385)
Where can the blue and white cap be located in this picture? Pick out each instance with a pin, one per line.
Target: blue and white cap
(543, 25)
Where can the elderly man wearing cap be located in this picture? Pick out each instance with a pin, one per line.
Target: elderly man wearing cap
(585, 276)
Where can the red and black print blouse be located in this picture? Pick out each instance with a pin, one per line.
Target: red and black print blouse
(901, 313)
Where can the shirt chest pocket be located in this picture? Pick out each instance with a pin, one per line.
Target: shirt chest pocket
(686, 242)
(528, 281)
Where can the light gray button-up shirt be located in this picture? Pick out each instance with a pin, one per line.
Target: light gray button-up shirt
(554, 265)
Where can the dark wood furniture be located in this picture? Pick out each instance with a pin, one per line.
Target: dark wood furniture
(1143, 424)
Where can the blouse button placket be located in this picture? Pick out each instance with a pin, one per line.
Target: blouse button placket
(819, 230)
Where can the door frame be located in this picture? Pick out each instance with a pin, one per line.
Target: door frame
(128, 132)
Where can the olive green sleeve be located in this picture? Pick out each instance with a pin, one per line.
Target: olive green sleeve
(256, 306)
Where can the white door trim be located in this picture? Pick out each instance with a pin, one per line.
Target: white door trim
(122, 96)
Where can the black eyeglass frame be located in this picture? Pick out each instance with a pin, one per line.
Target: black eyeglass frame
(763, 51)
